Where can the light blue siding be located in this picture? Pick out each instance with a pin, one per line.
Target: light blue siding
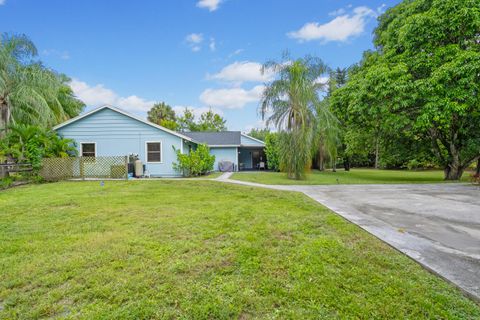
(116, 134)
(224, 153)
(249, 142)
(187, 146)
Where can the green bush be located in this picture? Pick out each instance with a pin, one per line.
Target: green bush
(6, 182)
(197, 162)
(272, 151)
(26, 143)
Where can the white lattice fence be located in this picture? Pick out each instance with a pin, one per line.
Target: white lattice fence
(114, 167)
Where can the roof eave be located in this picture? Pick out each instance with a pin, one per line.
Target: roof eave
(61, 125)
(223, 145)
(259, 141)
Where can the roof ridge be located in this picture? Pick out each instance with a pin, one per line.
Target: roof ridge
(125, 113)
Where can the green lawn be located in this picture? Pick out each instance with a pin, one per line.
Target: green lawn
(211, 175)
(201, 250)
(354, 176)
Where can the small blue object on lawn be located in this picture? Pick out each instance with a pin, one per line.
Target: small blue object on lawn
(102, 183)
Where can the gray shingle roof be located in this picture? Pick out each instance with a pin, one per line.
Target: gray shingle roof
(222, 138)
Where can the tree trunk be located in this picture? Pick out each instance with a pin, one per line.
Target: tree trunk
(346, 163)
(453, 171)
(321, 158)
(4, 118)
(477, 171)
(377, 148)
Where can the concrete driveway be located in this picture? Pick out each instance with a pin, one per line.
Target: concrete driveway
(437, 225)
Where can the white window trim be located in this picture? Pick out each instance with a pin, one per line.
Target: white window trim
(161, 152)
(87, 142)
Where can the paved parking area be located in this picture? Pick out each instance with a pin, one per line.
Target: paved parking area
(437, 225)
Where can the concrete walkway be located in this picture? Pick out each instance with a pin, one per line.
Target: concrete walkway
(438, 225)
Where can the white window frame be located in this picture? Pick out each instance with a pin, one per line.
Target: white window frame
(146, 152)
(87, 142)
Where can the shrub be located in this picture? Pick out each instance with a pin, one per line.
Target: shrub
(25, 143)
(197, 162)
(30, 144)
(6, 182)
(272, 151)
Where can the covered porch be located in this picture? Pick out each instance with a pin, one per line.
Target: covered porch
(251, 158)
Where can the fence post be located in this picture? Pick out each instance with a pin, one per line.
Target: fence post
(82, 173)
(126, 167)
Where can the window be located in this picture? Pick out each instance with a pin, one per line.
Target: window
(88, 149)
(154, 152)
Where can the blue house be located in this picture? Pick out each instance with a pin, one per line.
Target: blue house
(109, 131)
(245, 152)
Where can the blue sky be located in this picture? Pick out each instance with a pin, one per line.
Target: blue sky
(194, 53)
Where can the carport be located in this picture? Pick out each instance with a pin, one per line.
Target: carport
(251, 158)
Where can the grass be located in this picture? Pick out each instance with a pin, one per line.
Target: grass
(354, 176)
(211, 175)
(201, 250)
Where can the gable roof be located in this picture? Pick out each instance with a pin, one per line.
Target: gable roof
(254, 139)
(222, 138)
(66, 123)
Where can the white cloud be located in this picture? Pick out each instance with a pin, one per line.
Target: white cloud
(212, 45)
(235, 53)
(381, 9)
(134, 103)
(98, 95)
(339, 29)
(195, 38)
(337, 12)
(243, 71)
(322, 80)
(231, 98)
(259, 124)
(64, 55)
(211, 5)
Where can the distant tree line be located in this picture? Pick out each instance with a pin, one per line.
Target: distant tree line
(164, 115)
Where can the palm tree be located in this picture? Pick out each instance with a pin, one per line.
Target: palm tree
(326, 136)
(292, 104)
(163, 114)
(71, 105)
(29, 92)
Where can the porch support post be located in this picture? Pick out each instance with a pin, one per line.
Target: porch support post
(238, 162)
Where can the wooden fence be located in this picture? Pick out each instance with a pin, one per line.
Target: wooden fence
(7, 168)
(114, 167)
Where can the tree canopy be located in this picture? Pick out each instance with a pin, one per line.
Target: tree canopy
(208, 121)
(211, 121)
(163, 115)
(422, 82)
(291, 103)
(30, 93)
(260, 134)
